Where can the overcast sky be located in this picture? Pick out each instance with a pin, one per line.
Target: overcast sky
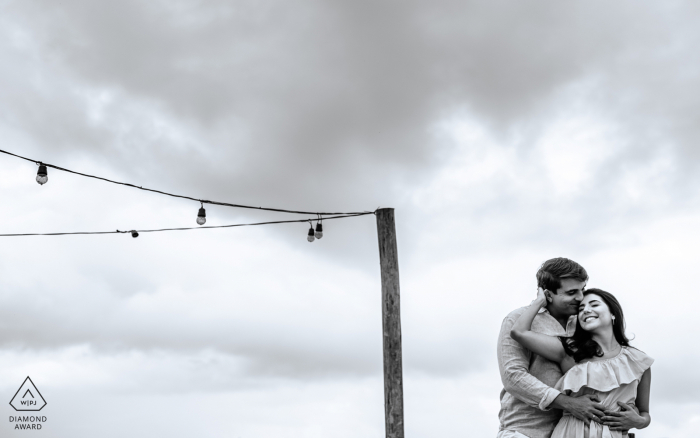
(503, 133)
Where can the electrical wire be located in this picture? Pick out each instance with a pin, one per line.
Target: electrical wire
(203, 201)
(184, 229)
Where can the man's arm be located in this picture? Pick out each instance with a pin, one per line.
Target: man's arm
(514, 365)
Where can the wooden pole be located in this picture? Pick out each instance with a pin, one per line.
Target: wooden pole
(391, 323)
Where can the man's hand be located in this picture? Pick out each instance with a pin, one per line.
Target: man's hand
(586, 408)
(626, 419)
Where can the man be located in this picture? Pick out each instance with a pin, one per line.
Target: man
(530, 406)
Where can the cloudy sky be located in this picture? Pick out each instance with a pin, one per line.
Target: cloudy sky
(503, 133)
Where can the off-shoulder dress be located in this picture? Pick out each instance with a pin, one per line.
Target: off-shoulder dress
(614, 379)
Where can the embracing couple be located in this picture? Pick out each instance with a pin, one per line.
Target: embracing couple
(567, 368)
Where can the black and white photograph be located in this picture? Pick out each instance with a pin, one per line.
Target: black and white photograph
(349, 219)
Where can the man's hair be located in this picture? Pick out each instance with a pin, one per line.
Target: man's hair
(554, 270)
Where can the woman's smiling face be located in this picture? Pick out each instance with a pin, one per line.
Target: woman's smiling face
(593, 313)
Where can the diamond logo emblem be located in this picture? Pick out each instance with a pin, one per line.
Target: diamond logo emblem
(28, 397)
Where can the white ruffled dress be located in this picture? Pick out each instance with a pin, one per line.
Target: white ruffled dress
(614, 379)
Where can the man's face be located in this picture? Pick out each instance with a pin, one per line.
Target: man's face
(567, 298)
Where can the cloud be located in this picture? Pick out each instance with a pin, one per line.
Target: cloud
(253, 94)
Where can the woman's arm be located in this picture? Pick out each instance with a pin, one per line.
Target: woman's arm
(643, 391)
(548, 347)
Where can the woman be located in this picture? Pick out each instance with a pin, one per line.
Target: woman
(596, 360)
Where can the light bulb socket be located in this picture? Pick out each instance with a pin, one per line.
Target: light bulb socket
(319, 227)
(42, 175)
(201, 216)
(134, 234)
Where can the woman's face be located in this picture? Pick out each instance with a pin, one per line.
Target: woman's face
(593, 313)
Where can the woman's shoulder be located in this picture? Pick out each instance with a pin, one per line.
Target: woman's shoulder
(637, 355)
(607, 374)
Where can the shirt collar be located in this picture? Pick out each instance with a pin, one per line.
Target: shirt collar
(570, 324)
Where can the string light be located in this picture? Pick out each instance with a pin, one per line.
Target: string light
(319, 230)
(202, 216)
(182, 229)
(310, 237)
(42, 178)
(42, 174)
(204, 201)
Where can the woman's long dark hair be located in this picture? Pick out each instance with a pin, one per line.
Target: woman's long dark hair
(581, 345)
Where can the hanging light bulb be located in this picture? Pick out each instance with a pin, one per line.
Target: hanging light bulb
(202, 216)
(310, 237)
(42, 175)
(134, 234)
(319, 230)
